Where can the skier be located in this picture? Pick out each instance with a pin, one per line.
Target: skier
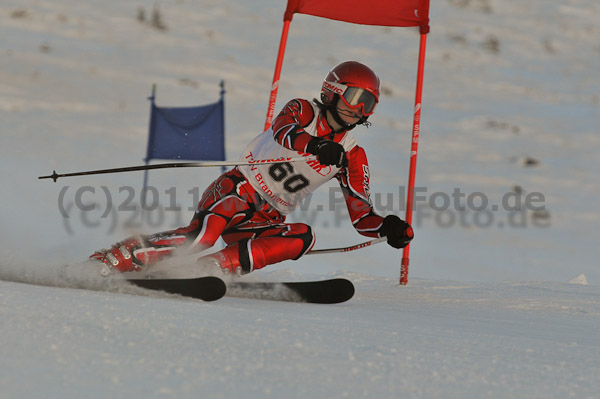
(247, 205)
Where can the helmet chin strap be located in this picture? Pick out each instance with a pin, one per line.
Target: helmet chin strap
(344, 126)
(332, 109)
(336, 117)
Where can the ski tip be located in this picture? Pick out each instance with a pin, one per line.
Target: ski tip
(209, 288)
(334, 291)
(322, 291)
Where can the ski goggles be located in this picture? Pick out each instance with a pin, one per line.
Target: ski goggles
(353, 97)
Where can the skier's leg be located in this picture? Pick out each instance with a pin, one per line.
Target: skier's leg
(136, 252)
(218, 206)
(254, 248)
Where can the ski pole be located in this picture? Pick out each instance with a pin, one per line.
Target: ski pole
(55, 176)
(346, 249)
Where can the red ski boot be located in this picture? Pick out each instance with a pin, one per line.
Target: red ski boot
(121, 256)
(228, 259)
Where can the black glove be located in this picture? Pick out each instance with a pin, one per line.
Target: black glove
(328, 152)
(398, 232)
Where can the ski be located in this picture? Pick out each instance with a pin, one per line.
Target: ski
(324, 291)
(212, 288)
(208, 288)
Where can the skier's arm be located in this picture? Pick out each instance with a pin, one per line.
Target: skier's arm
(288, 126)
(354, 181)
(288, 130)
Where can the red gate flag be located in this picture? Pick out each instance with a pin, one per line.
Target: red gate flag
(366, 12)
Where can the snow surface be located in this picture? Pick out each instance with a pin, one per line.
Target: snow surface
(511, 98)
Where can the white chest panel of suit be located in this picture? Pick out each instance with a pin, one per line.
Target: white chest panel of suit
(284, 185)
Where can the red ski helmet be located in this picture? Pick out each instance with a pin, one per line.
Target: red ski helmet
(355, 83)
